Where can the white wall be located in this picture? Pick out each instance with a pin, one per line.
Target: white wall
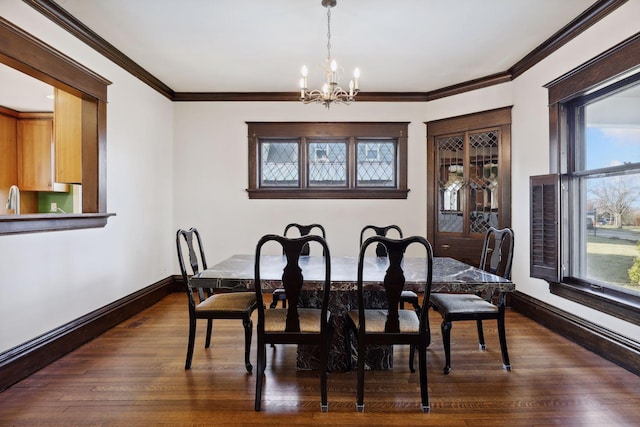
(49, 279)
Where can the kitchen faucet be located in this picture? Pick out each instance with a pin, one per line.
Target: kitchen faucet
(13, 202)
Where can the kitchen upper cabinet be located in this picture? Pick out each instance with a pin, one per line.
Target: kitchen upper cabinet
(8, 169)
(35, 161)
(68, 133)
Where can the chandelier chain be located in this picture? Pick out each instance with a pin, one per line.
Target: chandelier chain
(329, 33)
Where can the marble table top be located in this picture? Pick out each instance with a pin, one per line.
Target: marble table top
(449, 275)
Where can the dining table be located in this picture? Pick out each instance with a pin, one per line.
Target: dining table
(448, 275)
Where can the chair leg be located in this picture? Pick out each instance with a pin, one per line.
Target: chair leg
(274, 301)
(424, 389)
(480, 335)
(414, 302)
(502, 334)
(278, 296)
(412, 352)
(347, 344)
(260, 374)
(446, 341)
(361, 357)
(207, 342)
(416, 306)
(248, 329)
(324, 364)
(191, 343)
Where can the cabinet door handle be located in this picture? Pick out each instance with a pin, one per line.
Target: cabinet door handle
(445, 246)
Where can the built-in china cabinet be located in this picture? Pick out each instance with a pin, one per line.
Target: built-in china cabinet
(469, 181)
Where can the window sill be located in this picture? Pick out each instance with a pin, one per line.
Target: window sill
(323, 193)
(34, 223)
(616, 303)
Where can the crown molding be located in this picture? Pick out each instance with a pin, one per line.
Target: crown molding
(470, 85)
(589, 17)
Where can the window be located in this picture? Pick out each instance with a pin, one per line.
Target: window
(376, 164)
(585, 217)
(604, 186)
(327, 160)
(37, 59)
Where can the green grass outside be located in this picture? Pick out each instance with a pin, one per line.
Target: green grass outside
(609, 260)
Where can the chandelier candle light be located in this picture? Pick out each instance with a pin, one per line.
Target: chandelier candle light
(330, 91)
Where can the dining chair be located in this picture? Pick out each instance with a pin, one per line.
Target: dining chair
(218, 303)
(303, 230)
(294, 324)
(407, 296)
(496, 258)
(391, 325)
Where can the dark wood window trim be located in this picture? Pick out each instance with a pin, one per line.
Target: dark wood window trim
(31, 56)
(310, 130)
(620, 59)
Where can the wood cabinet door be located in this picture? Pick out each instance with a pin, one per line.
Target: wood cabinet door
(8, 167)
(68, 137)
(469, 188)
(35, 151)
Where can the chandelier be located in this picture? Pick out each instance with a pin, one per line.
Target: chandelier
(330, 91)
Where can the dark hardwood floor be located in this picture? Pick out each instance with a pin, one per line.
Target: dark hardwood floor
(133, 375)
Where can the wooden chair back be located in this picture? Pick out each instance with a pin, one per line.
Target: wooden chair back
(379, 231)
(305, 230)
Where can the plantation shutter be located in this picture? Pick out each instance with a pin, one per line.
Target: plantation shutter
(544, 214)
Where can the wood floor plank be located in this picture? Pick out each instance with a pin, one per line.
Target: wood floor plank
(133, 375)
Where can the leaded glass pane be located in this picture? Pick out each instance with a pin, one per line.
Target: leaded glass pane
(376, 163)
(450, 183)
(483, 180)
(279, 164)
(327, 164)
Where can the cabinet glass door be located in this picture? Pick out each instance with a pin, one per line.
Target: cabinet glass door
(450, 152)
(483, 180)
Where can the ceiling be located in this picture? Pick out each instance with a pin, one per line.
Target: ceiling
(260, 46)
(252, 46)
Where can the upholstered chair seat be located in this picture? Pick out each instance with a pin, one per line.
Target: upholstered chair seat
(275, 320)
(377, 319)
(232, 301)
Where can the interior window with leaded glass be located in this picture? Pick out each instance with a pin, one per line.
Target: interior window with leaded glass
(279, 164)
(327, 163)
(376, 163)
